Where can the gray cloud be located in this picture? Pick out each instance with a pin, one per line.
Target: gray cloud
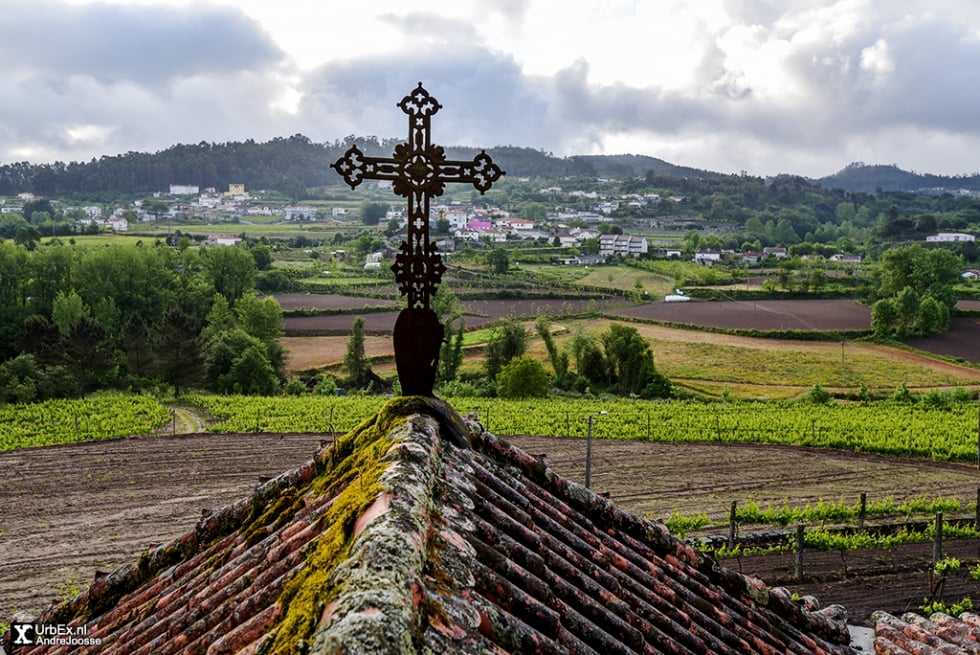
(149, 44)
(889, 86)
(486, 99)
(101, 79)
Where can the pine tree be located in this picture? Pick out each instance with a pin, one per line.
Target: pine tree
(355, 360)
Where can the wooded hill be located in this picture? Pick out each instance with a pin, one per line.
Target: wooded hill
(295, 165)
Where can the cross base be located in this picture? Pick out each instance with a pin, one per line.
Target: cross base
(418, 339)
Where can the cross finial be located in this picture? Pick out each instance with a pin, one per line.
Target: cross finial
(418, 171)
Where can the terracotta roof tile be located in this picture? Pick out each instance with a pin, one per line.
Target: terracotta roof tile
(419, 532)
(940, 634)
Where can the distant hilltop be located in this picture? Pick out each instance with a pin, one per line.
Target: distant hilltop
(873, 178)
(294, 164)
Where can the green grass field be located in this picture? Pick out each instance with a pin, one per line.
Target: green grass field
(627, 278)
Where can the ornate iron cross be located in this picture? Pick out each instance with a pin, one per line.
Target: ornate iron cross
(418, 171)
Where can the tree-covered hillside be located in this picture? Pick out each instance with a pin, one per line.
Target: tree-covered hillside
(873, 179)
(294, 165)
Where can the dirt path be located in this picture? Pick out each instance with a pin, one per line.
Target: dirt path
(68, 511)
(182, 421)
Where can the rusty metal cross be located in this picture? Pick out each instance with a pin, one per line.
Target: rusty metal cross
(418, 171)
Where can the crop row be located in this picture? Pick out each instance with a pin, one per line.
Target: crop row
(61, 421)
(843, 541)
(883, 427)
(839, 512)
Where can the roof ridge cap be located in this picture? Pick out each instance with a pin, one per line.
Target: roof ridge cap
(377, 608)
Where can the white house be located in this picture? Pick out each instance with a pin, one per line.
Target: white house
(949, 237)
(707, 257)
(373, 261)
(457, 219)
(622, 244)
(299, 213)
(222, 240)
(184, 190)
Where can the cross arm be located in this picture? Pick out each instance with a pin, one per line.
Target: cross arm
(355, 167)
(481, 172)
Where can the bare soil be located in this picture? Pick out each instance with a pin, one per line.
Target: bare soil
(961, 341)
(476, 313)
(68, 511)
(759, 315)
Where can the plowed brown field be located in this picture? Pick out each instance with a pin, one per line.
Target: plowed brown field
(69, 511)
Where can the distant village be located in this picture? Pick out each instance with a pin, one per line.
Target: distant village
(467, 224)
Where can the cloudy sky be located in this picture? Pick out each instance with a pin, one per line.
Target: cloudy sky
(765, 86)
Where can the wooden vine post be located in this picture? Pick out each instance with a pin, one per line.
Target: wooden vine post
(800, 542)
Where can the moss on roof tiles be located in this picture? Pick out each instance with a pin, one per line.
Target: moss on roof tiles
(352, 474)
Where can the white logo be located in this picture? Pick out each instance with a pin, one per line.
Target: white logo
(25, 634)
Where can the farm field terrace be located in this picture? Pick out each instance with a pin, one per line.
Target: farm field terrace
(711, 364)
(881, 427)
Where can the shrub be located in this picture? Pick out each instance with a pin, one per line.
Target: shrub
(523, 377)
(327, 386)
(818, 395)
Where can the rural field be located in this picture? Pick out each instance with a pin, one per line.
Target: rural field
(73, 510)
(709, 363)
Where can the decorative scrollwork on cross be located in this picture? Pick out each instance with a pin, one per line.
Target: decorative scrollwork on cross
(418, 171)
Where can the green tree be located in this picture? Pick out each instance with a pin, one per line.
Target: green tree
(507, 341)
(19, 379)
(373, 212)
(927, 272)
(534, 211)
(27, 236)
(523, 377)
(156, 208)
(355, 361)
(222, 352)
(178, 350)
(499, 261)
(87, 353)
(230, 270)
(251, 373)
(262, 255)
(138, 340)
(884, 316)
(68, 311)
(262, 318)
(933, 317)
(589, 360)
(451, 355)
(629, 357)
(559, 359)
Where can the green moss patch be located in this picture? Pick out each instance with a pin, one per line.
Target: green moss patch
(351, 472)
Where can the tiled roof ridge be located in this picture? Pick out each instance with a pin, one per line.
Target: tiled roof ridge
(806, 614)
(377, 608)
(423, 542)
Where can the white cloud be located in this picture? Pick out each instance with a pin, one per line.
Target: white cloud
(877, 59)
(763, 85)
